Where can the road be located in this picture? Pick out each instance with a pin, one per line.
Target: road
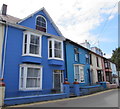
(108, 98)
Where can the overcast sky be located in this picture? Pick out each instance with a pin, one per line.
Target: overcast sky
(78, 20)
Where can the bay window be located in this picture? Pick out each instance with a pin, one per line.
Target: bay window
(55, 49)
(30, 77)
(31, 44)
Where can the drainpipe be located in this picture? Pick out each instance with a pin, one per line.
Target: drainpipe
(4, 54)
(65, 58)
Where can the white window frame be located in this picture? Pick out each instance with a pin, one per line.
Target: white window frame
(44, 19)
(81, 66)
(28, 44)
(53, 52)
(26, 66)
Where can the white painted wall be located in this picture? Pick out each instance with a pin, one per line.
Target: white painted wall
(1, 41)
(95, 68)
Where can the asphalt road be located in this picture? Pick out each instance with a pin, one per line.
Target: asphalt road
(107, 98)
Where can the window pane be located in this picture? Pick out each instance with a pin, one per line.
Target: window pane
(25, 38)
(50, 52)
(57, 45)
(34, 44)
(57, 49)
(22, 75)
(50, 48)
(25, 44)
(32, 49)
(32, 72)
(33, 78)
(25, 48)
(31, 82)
(77, 76)
(36, 49)
(40, 24)
(58, 53)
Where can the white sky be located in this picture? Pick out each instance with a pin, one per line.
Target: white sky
(74, 18)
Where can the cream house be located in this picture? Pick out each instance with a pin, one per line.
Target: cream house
(1, 41)
(96, 67)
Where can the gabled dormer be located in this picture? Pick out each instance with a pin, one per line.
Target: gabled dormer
(41, 21)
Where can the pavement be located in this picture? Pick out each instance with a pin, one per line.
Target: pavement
(108, 98)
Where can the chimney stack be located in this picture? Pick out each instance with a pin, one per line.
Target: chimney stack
(4, 9)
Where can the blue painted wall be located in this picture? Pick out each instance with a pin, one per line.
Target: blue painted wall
(14, 58)
(31, 23)
(70, 61)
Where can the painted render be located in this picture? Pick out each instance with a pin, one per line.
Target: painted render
(70, 61)
(1, 43)
(14, 59)
(94, 67)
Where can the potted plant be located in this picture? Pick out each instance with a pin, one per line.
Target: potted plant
(66, 81)
(75, 82)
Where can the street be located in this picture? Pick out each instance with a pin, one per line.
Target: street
(108, 98)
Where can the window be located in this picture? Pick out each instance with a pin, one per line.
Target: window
(31, 44)
(55, 49)
(87, 58)
(30, 77)
(41, 23)
(90, 59)
(97, 61)
(79, 73)
(76, 54)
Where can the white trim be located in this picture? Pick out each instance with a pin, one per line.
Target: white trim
(44, 19)
(53, 41)
(26, 66)
(28, 44)
(81, 65)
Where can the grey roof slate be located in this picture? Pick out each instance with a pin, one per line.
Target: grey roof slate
(9, 18)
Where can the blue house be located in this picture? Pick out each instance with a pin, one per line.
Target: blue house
(32, 55)
(77, 63)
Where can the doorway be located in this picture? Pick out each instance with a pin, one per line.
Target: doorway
(58, 80)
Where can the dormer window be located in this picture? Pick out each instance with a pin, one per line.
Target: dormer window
(41, 23)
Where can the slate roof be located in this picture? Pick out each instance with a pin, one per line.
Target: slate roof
(9, 18)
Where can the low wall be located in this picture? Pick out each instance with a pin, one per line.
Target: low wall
(30, 99)
(113, 86)
(91, 89)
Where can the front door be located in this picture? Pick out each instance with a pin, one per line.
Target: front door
(99, 75)
(58, 80)
(89, 77)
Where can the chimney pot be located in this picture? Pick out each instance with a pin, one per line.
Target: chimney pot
(4, 9)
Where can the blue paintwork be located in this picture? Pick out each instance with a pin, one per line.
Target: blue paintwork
(14, 58)
(70, 61)
(66, 88)
(29, 99)
(76, 89)
(32, 59)
(31, 23)
(55, 62)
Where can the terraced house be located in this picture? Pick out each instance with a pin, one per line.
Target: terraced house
(35, 59)
(32, 54)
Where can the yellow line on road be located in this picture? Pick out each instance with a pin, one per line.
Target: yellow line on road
(65, 99)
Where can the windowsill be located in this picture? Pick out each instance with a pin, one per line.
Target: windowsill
(29, 90)
(32, 55)
(56, 59)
